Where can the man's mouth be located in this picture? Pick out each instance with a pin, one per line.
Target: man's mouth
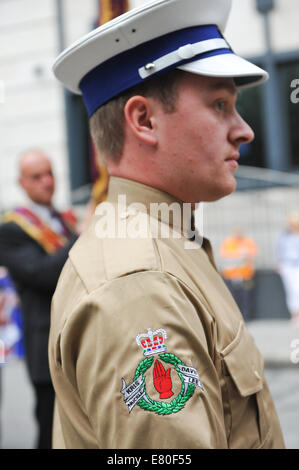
(233, 160)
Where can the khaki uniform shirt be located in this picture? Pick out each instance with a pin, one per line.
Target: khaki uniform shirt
(147, 347)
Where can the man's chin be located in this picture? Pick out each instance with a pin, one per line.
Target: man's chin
(44, 202)
(221, 192)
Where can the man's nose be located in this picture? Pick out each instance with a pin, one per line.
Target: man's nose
(241, 132)
(48, 180)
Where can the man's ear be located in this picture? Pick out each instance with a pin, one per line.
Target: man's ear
(141, 120)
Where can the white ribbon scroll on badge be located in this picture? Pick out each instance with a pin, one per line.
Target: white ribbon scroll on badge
(183, 53)
(190, 376)
(133, 393)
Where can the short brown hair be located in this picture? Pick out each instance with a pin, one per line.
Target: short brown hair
(107, 123)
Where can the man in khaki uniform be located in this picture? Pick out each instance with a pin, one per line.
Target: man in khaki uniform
(147, 347)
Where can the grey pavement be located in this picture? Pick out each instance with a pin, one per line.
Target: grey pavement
(276, 340)
(18, 427)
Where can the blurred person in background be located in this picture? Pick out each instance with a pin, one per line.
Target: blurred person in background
(34, 243)
(238, 253)
(288, 264)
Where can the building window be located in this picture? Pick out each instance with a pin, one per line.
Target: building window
(249, 105)
(79, 148)
(288, 71)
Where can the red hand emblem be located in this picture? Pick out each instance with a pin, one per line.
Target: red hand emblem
(162, 380)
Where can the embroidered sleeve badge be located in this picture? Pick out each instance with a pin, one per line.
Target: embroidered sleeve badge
(152, 343)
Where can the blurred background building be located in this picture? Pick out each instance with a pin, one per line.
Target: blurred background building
(36, 111)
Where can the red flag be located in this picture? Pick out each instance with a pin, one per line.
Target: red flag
(108, 9)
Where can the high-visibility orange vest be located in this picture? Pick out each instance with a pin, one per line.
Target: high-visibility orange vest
(238, 255)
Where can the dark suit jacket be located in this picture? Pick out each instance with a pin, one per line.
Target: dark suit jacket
(35, 273)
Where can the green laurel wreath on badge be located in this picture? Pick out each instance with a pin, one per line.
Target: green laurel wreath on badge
(158, 407)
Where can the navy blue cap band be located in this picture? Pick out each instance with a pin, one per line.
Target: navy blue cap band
(120, 73)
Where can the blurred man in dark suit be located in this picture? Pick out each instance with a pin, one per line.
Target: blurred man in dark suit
(34, 244)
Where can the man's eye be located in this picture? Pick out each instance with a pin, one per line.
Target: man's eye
(220, 105)
(35, 177)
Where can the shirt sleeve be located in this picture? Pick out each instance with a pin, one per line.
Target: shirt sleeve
(136, 350)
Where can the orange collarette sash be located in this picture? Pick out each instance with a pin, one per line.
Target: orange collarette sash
(36, 229)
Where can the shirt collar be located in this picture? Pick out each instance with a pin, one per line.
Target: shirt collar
(42, 211)
(173, 212)
(47, 215)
